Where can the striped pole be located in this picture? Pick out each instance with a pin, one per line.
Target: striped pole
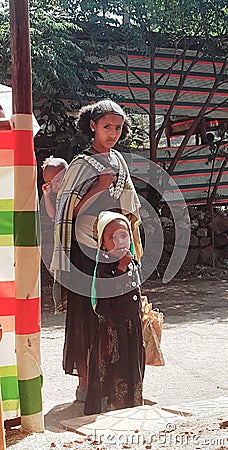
(2, 431)
(8, 363)
(26, 242)
(27, 275)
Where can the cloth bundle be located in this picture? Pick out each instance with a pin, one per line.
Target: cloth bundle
(152, 321)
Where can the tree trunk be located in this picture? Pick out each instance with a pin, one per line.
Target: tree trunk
(216, 185)
(153, 196)
(152, 115)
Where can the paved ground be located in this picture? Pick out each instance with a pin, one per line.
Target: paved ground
(195, 348)
(194, 344)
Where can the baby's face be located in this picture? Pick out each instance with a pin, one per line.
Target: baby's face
(116, 238)
(54, 175)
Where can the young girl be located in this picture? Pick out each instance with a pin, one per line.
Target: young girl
(117, 359)
(53, 172)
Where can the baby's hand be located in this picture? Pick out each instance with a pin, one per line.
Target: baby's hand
(46, 188)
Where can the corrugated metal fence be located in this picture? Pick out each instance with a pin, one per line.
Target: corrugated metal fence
(195, 174)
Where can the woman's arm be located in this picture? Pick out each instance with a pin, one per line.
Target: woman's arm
(103, 183)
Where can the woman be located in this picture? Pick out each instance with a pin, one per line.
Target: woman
(96, 180)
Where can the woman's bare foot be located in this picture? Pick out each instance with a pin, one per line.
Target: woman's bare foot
(82, 385)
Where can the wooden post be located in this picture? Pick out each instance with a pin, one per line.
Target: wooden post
(2, 432)
(26, 239)
(21, 58)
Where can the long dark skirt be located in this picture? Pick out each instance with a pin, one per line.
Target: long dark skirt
(117, 359)
(81, 321)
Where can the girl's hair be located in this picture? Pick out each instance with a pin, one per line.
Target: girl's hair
(51, 161)
(96, 111)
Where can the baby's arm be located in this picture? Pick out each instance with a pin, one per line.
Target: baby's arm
(50, 208)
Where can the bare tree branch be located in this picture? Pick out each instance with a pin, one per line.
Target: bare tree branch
(129, 85)
(169, 70)
(197, 120)
(216, 185)
(216, 107)
(132, 71)
(182, 80)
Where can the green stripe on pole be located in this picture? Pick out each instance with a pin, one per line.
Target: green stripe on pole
(6, 222)
(10, 405)
(8, 371)
(30, 396)
(9, 387)
(26, 229)
(7, 205)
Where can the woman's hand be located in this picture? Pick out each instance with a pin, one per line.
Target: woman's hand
(104, 182)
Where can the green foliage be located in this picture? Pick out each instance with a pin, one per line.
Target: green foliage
(135, 23)
(4, 41)
(60, 69)
(58, 131)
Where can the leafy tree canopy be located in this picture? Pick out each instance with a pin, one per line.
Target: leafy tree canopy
(169, 20)
(59, 66)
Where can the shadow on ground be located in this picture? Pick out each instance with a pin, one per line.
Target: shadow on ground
(201, 298)
(67, 411)
(189, 300)
(53, 420)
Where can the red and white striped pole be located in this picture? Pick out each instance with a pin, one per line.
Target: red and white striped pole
(26, 241)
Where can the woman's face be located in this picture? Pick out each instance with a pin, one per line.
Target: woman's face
(116, 238)
(107, 131)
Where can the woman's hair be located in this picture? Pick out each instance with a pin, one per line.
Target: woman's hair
(96, 111)
(51, 161)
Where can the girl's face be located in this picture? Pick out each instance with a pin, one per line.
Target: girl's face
(54, 176)
(107, 131)
(116, 238)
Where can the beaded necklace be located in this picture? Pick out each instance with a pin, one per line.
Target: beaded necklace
(115, 189)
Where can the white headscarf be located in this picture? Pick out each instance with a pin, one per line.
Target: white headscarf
(104, 218)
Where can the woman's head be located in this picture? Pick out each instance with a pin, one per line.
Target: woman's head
(104, 115)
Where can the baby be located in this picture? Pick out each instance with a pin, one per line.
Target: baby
(53, 172)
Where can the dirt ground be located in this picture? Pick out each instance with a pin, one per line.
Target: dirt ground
(195, 348)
